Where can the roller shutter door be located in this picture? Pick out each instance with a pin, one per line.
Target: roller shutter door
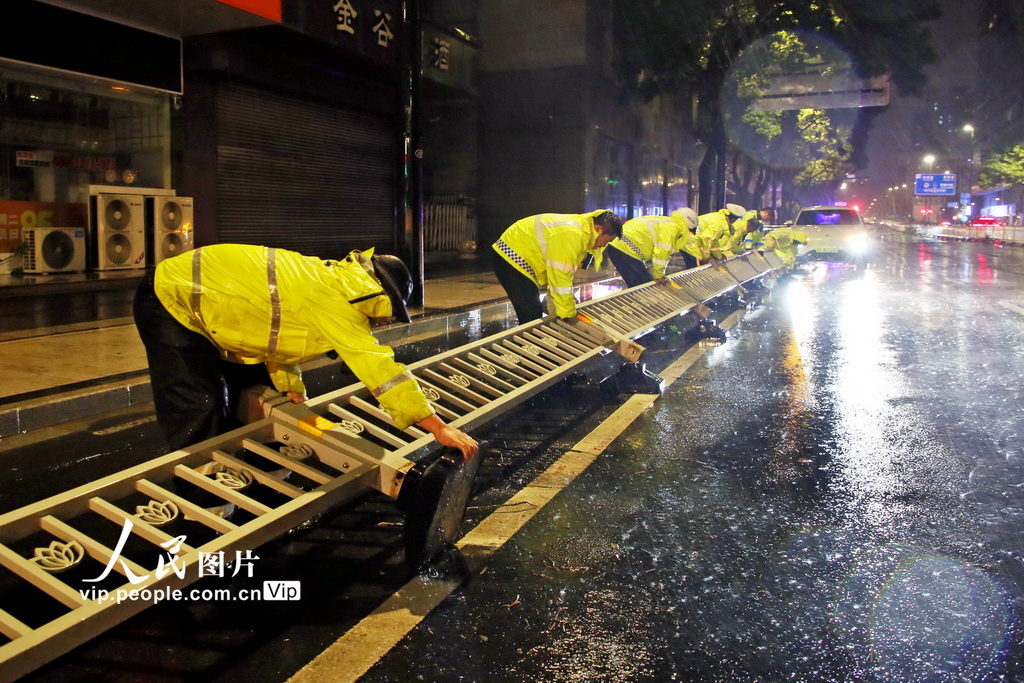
(303, 176)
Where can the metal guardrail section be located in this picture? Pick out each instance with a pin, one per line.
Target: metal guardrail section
(138, 532)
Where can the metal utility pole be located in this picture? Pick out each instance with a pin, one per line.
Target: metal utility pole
(411, 183)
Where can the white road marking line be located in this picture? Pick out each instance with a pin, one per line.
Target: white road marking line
(124, 426)
(352, 655)
(1013, 307)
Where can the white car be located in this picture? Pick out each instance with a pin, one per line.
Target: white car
(834, 233)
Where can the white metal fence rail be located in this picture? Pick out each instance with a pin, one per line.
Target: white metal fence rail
(449, 221)
(332, 449)
(1004, 233)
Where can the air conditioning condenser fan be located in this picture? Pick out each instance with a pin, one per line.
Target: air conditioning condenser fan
(118, 215)
(169, 229)
(118, 231)
(172, 245)
(118, 249)
(58, 249)
(171, 215)
(54, 250)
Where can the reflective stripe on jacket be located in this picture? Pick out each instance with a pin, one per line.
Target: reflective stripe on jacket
(714, 234)
(551, 246)
(753, 241)
(261, 305)
(739, 240)
(656, 237)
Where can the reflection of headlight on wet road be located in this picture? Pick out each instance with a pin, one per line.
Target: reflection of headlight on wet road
(857, 243)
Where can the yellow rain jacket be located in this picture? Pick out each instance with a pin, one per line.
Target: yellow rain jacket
(262, 305)
(714, 234)
(739, 241)
(784, 242)
(548, 248)
(654, 239)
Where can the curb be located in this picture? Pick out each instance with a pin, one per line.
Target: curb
(64, 406)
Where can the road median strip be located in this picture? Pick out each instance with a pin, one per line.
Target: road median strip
(354, 653)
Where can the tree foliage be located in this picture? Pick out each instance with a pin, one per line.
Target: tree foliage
(806, 147)
(1006, 168)
(674, 46)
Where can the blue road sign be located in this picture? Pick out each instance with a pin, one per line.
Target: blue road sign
(935, 183)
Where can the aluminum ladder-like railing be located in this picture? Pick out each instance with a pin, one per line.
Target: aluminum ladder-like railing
(332, 448)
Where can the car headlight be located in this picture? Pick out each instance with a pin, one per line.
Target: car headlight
(857, 243)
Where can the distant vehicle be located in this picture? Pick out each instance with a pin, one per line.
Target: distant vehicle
(834, 233)
(986, 222)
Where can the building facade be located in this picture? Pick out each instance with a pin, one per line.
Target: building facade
(328, 125)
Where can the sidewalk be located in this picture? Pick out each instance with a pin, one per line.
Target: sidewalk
(58, 374)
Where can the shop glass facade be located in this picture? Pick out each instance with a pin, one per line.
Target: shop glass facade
(60, 133)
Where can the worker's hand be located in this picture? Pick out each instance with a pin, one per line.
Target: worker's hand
(447, 435)
(662, 280)
(456, 438)
(296, 397)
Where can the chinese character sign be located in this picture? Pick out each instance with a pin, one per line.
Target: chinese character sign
(15, 216)
(371, 28)
(441, 49)
(384, 34)
(346, 14)
(935, 184)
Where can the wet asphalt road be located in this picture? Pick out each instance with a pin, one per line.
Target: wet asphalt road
(835, 494)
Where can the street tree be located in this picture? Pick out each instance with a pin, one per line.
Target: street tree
(673, 46)
(803, 148)
(1006, 168)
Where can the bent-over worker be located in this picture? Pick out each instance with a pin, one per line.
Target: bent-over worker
(547, 249)
(786, 243)
(222, 318)
(654, 239)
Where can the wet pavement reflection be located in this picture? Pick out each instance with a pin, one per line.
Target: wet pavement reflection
(836, 494)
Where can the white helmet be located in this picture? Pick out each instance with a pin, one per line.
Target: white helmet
(736, 210)
(686, 217)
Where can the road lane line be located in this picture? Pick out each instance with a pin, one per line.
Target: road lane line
(354, 653)
(1013, 307)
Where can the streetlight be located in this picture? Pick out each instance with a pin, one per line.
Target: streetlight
(971, 158)
(930, 160)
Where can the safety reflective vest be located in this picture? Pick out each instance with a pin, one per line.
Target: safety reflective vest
(742, 240)
(784, 242)
(655, 239)
(714, 234)
(548, 248)
(263, 305)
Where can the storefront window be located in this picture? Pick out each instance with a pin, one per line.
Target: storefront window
(609, 183)
(677, 188)
(61, 135)
(652, 187)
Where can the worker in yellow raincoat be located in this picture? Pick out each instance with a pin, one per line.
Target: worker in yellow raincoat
(745, 233)
(546, 250)
(715, 231)
(786, 244)
(654, 239)
(223, 318)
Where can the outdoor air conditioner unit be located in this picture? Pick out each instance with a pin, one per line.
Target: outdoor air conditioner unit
(54, 250)
(118, 231)
(169, 227)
